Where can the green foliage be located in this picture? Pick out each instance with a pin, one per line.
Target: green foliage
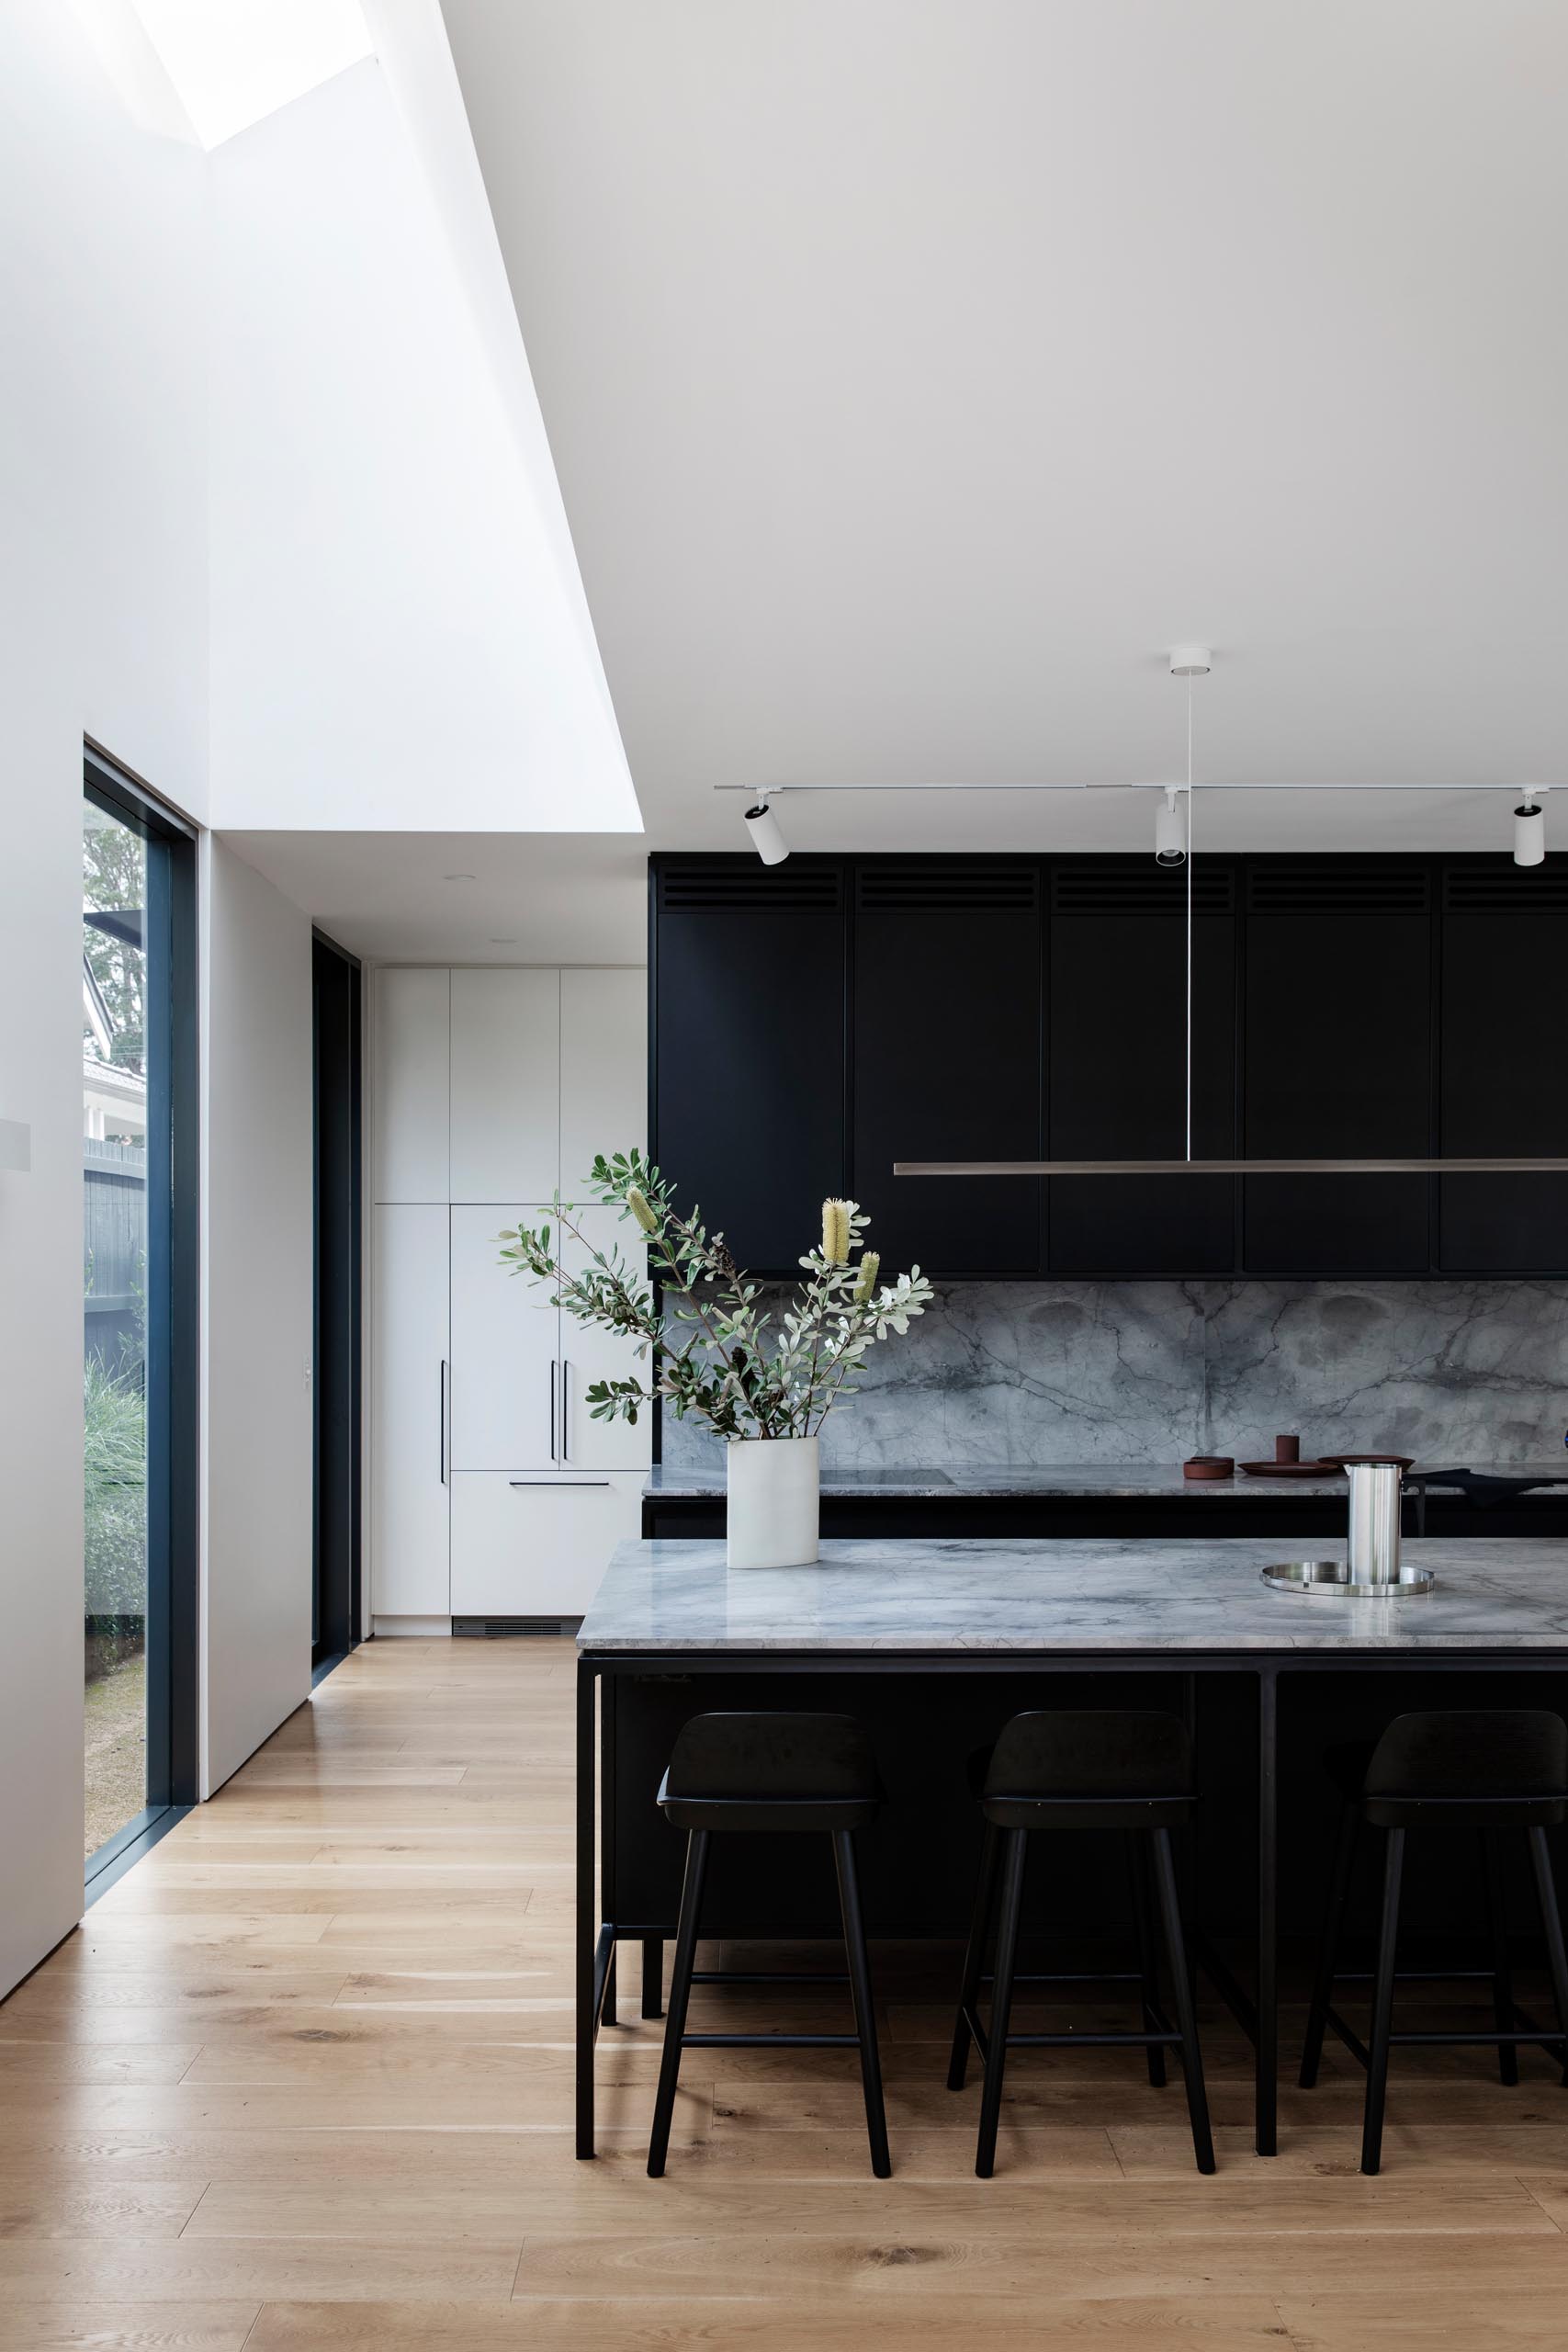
(114, 1493)
(716, 1353)
(114, 874)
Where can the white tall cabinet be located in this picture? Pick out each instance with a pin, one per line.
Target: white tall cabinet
(493, 1492)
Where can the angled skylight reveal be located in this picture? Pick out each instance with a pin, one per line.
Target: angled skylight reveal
(233, 62)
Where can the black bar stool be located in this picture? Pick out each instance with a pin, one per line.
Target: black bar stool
(767, 1774)
(1480, 1770)
(1059, 1771)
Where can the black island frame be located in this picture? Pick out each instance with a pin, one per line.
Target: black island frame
(600, 1932)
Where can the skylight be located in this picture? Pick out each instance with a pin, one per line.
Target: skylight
(231, 62)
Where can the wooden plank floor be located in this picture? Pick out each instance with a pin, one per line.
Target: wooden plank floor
(304, 2078)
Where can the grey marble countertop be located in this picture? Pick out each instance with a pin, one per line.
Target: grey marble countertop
(945, 1595)
(1113, 1479)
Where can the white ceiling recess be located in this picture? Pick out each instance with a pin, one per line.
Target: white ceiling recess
(399, 635)
(532, 899)
(917, 373)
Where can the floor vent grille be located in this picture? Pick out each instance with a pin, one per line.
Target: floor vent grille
(505, 1629)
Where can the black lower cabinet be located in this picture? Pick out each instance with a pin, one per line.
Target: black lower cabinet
(1302, 1520)
(918, 1858)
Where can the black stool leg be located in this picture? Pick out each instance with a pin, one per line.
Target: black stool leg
(653, 1976)
(1552, 1920)
(1502, 1977)
(1148, 1958)
(973, 1957)
(1333, 1927)
(680, 1995)
(1185, 2015)
(865, 2013)
(1014, 1855)
(1382, 2004)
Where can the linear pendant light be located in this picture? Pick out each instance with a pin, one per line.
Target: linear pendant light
(1188, 662)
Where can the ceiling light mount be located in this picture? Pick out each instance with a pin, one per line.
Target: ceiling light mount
(766, 839)
(1530, 827)
(1191, 661)
(1170, 827)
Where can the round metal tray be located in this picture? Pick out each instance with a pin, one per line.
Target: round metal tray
(1330, 1581)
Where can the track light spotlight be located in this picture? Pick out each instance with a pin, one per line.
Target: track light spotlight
(1530, 831)
(1171, 833)
(766, 839)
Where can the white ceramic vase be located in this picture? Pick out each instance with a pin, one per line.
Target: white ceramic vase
(771, 1517)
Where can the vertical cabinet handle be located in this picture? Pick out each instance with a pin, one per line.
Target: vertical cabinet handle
(552, 1408)
(443, 1421)
(565, 1391)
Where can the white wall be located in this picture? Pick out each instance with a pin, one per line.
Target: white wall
(257, 1324)
(103, 590)
(344, 606)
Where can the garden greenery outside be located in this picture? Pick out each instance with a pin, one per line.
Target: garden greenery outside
(114, 1404)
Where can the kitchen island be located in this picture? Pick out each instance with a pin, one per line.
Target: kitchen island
(935, 1642)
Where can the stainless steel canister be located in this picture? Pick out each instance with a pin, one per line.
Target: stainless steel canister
(1374, 1521)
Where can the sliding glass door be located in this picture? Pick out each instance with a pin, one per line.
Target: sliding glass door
(139, 1331)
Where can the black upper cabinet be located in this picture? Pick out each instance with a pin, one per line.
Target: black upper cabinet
(815, 1022)
(1505, 956)
(1337, 1061)
(747, 1079)
(947, 1058)
(1118, 1063)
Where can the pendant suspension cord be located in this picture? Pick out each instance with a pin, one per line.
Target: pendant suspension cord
(1188, 918)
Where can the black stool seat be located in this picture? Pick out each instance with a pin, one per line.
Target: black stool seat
(1126, 1771)
(1089, 1771)
(750, 1773)
(772, 1772)
(1474, 1767)
(1486, 1769)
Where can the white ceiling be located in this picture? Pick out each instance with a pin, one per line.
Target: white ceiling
(918, 372)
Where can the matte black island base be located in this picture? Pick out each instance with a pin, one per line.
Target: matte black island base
(932, 1644)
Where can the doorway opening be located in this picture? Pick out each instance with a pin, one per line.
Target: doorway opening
(336, 1378)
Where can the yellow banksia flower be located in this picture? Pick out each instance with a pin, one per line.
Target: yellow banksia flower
(638, 1204)
(870, 1267)
(836, 1232)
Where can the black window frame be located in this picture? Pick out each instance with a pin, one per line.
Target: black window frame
(174, 1316)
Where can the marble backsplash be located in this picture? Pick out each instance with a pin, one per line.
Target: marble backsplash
(1036, 1374)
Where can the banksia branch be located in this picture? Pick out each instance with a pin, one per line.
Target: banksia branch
(836, 1232)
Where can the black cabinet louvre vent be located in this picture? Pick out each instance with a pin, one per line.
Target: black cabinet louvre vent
(1507, 889)
(1138, 886)
(1301, 885)
(935, 886)
(789, 885)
